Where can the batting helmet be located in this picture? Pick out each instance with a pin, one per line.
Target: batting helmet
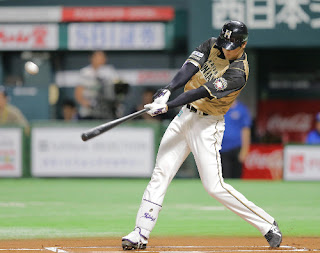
(233, 34)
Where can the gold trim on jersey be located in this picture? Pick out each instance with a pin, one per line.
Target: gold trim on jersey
(206, 87)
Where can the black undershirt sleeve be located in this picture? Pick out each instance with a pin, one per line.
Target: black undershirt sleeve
(182, 77)
(188, 97)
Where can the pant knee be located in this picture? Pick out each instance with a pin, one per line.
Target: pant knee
(216, 191)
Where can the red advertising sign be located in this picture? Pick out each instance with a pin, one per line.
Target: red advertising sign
(141, 13)
(288, 119)
(263, 162)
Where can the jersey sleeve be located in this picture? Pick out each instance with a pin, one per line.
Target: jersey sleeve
(200, 55)
(232, 80)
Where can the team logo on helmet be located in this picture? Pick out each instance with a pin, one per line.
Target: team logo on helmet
(227, 34)
(220, 84)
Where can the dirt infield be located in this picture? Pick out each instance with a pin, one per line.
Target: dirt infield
(162, 245)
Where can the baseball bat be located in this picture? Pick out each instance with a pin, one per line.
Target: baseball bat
(93, 132)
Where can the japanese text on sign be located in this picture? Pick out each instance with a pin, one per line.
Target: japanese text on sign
(267, 14)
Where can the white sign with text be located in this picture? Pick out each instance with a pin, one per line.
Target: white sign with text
(301, 162)
(116, 36)
(10, 152)
(120, 152)
(21, 37)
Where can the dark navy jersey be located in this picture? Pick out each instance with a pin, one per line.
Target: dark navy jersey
(222, 78)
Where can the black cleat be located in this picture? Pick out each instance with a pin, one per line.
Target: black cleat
(274, 236)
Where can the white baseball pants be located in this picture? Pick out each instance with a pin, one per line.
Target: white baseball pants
(201, 135)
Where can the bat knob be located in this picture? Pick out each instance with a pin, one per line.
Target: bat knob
(84, 137)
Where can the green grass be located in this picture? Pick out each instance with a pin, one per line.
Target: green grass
(48, 208)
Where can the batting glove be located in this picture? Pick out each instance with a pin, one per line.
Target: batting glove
(156, 109)
(161, 96)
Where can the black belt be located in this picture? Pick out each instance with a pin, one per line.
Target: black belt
(192, 109)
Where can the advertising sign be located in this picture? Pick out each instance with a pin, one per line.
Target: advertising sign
(23, 37)
(120, 152)
(10, 152)
(116, 36)
(263, 162)
(301, 162)
(135, 77)
(271, 23)
(291, 119)
(25, 14)
(115, 13)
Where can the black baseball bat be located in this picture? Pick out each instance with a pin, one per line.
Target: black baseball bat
(93, 132)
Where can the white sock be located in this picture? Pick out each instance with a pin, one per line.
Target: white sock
(147, 217)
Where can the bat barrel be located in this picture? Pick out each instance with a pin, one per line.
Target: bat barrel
(93, 132)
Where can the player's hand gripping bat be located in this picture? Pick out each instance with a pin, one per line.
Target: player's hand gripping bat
(93, 132)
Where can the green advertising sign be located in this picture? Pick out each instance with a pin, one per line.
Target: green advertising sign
(271, 23)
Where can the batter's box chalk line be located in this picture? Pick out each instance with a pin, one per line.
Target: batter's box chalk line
(214, 249)
(189, 249)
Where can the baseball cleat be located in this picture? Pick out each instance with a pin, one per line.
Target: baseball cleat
(134, 241)
(274, 236)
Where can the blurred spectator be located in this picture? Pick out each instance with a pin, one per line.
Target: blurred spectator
(313, 136)
(236, 140)
(9, 114)
(146, 98)
(96, 91)
(69, 110)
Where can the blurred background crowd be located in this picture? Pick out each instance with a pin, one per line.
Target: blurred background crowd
(105, 59)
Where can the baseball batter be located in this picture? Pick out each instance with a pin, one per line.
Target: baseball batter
(212, 76)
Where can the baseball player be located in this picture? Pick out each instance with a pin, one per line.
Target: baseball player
(212, 76)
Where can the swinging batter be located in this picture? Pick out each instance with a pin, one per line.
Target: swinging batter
(213, 76)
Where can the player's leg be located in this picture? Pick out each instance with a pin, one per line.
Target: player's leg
(205, 149)
(236, 169)
(173, 150)
(226, 164)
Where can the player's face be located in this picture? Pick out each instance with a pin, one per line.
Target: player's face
(234, 54)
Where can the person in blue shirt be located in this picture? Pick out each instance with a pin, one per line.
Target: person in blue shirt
(236, 140)
(313, 136)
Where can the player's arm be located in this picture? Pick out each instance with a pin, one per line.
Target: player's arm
(191, 66)
(233, 80)
(182, 99)
(78, 94)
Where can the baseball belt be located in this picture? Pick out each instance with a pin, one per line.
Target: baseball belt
(192, 109)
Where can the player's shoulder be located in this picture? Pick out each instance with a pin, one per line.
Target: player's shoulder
(87, 70)
(13, 110)
(240, 63)
(209, 43)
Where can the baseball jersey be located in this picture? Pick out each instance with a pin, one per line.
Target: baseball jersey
(92, 81)
(223, 79)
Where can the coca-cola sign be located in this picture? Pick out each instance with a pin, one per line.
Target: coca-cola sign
(299, 122)
(21, 37)
(263, 162)
(279, 117)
